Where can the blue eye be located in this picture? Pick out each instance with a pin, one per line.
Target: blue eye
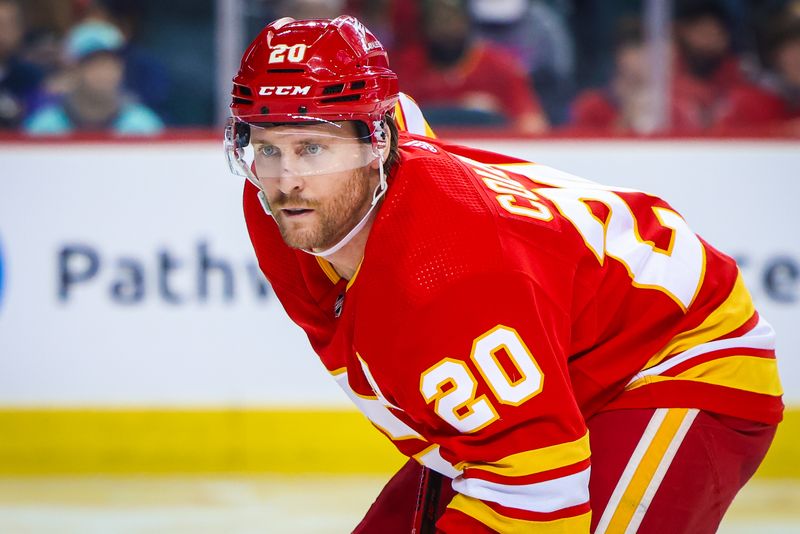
(313, 149)
(269, 150)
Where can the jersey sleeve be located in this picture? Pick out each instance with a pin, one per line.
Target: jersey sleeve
(482, 372)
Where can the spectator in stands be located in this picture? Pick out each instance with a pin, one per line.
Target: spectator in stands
(706, 70)
(537, 35)
(19, 80)
(624, 106)
(46, 21)
(95, 100)
(404, 22)
(772, 106)
(458, 79)
(146, 77)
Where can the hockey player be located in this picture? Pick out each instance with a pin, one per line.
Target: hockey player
(567, 356)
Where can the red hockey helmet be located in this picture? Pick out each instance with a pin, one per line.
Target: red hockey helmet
(310, 71)
(333, 70)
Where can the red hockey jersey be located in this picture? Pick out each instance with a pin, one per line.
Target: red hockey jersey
(502, 303)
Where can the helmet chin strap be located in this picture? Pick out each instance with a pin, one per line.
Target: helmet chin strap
(377, 194)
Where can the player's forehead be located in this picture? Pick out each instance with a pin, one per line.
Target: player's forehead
(344, 130)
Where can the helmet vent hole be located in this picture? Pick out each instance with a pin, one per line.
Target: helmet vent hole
(345, 98)
(242, 101)
(333, 89)
(358, 85)
(244, 90)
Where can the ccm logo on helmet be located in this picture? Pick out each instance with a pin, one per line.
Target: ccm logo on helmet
(284, 90)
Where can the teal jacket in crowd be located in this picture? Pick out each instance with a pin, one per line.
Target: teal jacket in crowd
(132, 119)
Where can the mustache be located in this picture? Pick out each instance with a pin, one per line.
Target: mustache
(293, 200)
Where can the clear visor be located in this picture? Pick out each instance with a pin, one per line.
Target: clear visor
(313, 148)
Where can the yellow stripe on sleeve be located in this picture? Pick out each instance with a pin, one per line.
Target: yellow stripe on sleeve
(423, 452)
(536, 461)
(481, 512)
(747, 373)
(338, 371)
(729, 316)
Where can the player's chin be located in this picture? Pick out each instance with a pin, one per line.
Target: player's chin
(295, 223)
(300, 244)
(301, 238)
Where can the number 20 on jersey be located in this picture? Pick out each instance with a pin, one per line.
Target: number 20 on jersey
(452, 387)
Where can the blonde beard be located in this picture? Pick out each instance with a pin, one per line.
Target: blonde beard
(335, 218)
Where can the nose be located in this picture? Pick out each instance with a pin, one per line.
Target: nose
(290, 178)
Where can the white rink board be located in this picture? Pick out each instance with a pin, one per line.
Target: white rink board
(157, 220)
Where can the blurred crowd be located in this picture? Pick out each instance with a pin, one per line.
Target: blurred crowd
(520, 66)
(77, 72)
